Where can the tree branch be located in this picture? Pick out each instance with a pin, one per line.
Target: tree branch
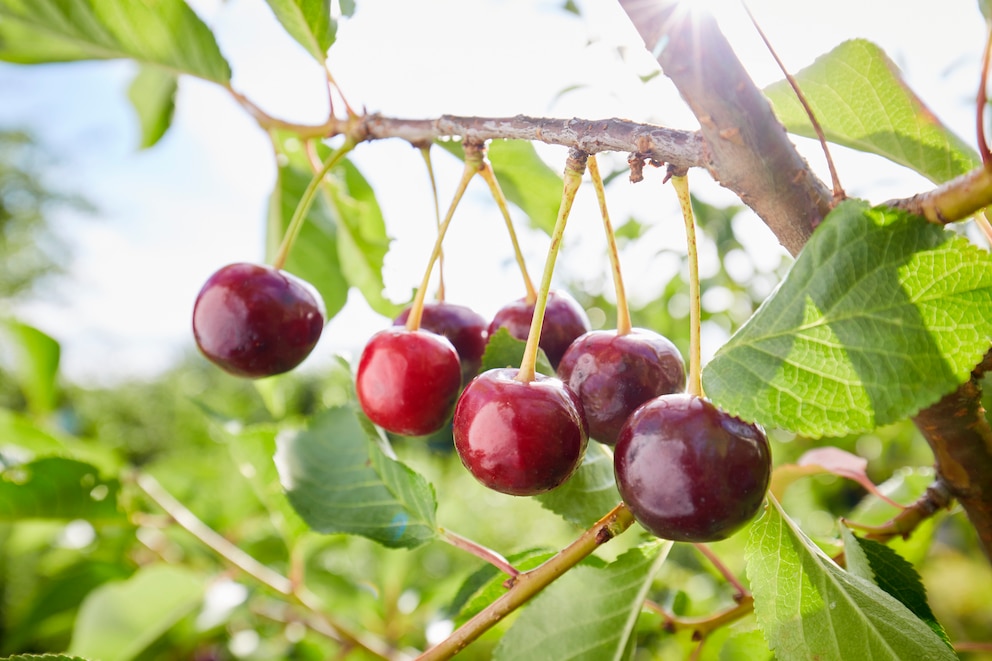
(961, 438)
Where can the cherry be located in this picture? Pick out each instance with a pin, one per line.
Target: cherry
(407, 380)
(465, 328)
(564, 320)
(689, 471)
(614, 373)
(254, 320)
(519, 438)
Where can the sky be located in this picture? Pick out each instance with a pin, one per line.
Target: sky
(169, 216)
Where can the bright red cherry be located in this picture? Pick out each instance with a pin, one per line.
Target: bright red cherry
(465, 328)
(407, 381)
(564, 320)
(614, 374)
(254, 320)
(519, 438)
(689, 471)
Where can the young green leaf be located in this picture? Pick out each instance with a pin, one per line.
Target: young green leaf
(589, 613)
(527, 181)
(362, 239)
(43, 657)
(57, 488)
(314, 256)
(165, 33)
(858, 96)
(809, 608)
(504, 350)
(33, 361)
(881, 314)
(119, 620)
(590, 493)
(153, 95)
(888, 570)
(339, 480)
(309, 22)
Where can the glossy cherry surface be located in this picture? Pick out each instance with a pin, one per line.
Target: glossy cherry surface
(519, 438)
(464, 327)
(564, 320)
(253, 320)
(690, 472)
(614, 374)
(407, 381)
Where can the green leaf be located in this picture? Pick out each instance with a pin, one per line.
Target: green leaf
(881, 314)
(42, 657)
(165, 33)
(588, 613)
(590, 493)
(340, 480)
(309, 22)
(527, 181)
(809, 608)
(362, 239)
(120, 620)
(33, 362)
(252, 450)
(314, 256)
(888, 570)
(153, 95)
(56, 488)
(858, 96)
(906, 485)
(504, 350)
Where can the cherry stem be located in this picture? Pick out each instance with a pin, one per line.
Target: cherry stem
(695, 384)
(425, 152)
(838, 190)
(739, 590)
(527, 584)
(623, 312)
(272, 579)
(303, 206)
(983, 99)
(487, 173)
(473, 159)
(982, 219)
(575, 167)
(480, 551)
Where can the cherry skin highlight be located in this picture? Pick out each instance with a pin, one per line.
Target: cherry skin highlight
(614, 374)
(407, 381)
(564, 320)
(519, 438)
(253, 320)
(690, 472)
(465, 328)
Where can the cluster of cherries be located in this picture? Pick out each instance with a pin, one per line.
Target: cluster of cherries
(687, 470)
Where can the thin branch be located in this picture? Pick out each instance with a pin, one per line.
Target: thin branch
(937, 497)
(524, 586)
(261, 573)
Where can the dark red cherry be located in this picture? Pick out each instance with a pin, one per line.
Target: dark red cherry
(254, 320)
(519, 438)
(465, 328)
(689, 471)
(407, 381)
(614, 374)
(564, 320)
